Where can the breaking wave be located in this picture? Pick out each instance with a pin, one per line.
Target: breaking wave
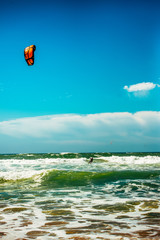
(62, 178)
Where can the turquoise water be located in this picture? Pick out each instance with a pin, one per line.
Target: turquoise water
(62, 196)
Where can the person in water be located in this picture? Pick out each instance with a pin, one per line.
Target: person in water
(91, 160)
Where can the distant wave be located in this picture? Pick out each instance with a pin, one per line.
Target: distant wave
(68, 155)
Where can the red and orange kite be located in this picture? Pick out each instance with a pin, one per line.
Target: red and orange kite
(29, 54)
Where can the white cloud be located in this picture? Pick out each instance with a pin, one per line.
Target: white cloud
(145, 86)
(91, 126)
(72, 132)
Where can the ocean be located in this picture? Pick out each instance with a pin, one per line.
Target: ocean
(62, 196)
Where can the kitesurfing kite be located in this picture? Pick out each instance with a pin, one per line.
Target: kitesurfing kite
(29, 54)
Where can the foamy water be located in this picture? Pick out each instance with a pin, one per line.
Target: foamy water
(62, 196)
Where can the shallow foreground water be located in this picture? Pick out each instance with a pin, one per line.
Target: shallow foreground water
(62, 196)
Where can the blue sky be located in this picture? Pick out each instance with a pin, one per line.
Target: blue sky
(91, 57)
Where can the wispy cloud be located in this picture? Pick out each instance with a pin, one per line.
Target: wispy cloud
(141, 87)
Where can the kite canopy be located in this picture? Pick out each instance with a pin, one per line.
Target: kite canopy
(29, 54)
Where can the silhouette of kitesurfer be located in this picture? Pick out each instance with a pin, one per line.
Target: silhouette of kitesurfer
(91, 160)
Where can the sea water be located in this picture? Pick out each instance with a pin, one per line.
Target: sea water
(62, 196)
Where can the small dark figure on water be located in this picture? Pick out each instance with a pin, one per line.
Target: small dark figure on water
(91, 160)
